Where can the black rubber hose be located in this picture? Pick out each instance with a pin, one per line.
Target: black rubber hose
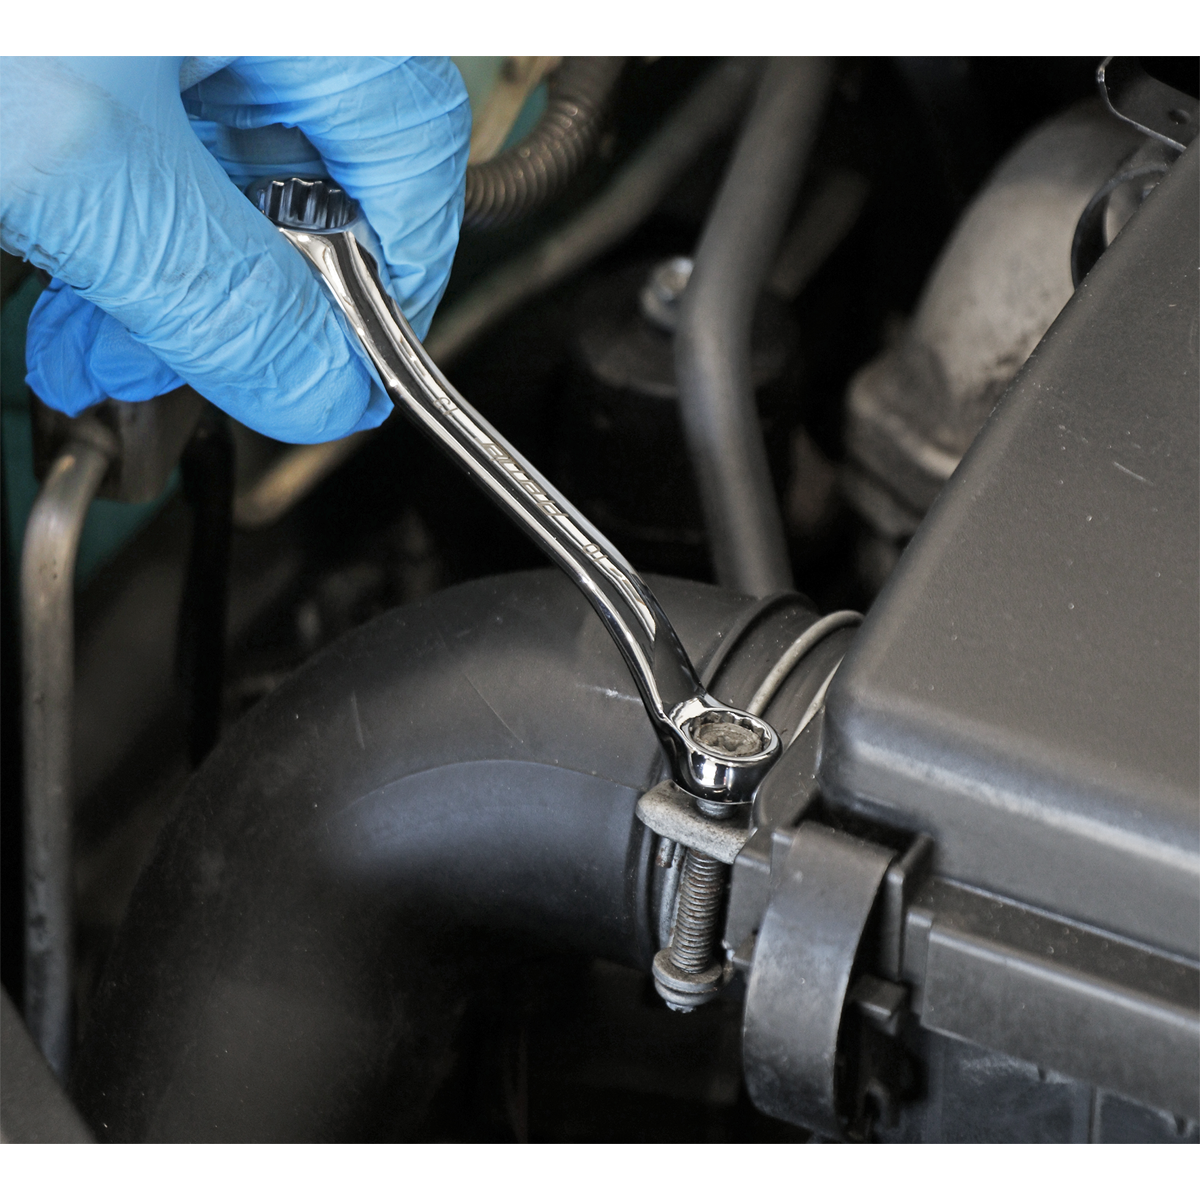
(442, 792)
(362, 852)
(712, 345)
(535, 170)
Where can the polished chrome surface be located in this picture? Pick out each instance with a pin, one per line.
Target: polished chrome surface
(625, 202)
(716, 752)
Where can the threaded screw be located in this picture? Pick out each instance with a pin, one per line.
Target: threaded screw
(700, 889)
(685, 973)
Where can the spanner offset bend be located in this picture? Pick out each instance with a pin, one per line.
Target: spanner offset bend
(717, 753)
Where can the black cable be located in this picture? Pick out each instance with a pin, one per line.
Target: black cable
(535, 170)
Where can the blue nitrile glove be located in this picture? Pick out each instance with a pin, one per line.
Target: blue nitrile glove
(164, 272)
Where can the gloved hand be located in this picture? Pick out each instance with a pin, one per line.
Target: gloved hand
(164, 272)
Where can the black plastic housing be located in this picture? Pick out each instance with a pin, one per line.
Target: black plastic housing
(1026, 688)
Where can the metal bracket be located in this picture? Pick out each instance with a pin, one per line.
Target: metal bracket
(1157, 109)
(669, 811)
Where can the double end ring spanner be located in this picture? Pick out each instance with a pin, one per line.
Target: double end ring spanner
(717, 753)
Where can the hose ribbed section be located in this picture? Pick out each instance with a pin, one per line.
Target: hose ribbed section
(538, 167)
(700, 890)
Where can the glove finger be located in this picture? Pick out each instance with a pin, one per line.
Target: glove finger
(393, 132)
(248, 154)
(114, 194)
(76, 355)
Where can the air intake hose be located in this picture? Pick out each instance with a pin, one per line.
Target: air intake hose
(446, 785)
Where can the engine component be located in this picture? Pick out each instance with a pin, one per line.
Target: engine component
(706, 757)
(712, 344)
(1035, 709)
(1000, 281)
(823, 894)
(1077, 473)
(620, 449)
(859, 950)
(521, 179)
(126, 452)
(376, 838)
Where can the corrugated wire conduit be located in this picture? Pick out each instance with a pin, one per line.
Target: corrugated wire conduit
(522, 178)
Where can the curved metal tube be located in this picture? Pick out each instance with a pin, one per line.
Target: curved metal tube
(712, 345)
(715, 752)
(48, 670)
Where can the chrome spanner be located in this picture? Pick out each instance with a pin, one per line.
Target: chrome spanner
(717, 753)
